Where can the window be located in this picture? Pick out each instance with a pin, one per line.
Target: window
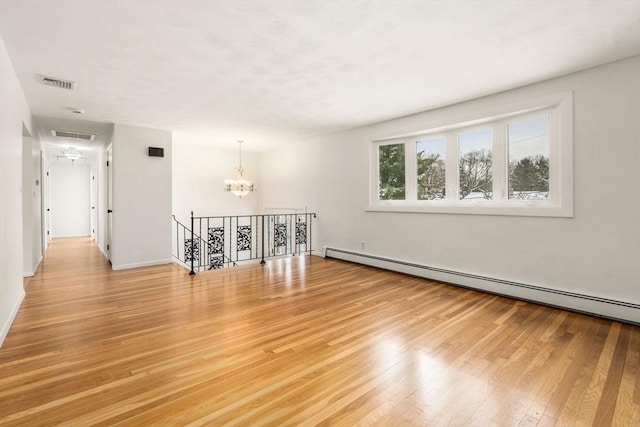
(431, 157)
(517, 161)
(392, 173)
(528, 144)
(475, 180)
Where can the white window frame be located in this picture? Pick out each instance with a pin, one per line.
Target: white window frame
(559, 107)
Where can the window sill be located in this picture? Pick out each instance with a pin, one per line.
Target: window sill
(482, 208)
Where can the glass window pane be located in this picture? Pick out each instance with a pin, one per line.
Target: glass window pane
(475, 164)
(391, 171)
(431, 157)
(528, 142)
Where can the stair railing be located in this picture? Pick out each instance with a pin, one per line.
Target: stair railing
(220, 241)
(188, 253)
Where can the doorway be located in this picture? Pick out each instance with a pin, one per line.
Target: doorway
(94, 205)
(70, 193)
(109, 200)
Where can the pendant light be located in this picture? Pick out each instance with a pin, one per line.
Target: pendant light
(240, 186)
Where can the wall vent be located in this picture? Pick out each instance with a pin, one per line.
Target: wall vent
(73, 135)
(60, 83)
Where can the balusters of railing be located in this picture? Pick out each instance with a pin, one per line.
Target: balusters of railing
(212, 242)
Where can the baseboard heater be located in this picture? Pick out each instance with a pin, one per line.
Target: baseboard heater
(603, 307)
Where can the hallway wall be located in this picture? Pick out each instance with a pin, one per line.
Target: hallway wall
(15, 114)
(141, 198)
(31, 204)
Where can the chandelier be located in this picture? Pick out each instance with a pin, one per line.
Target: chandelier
(240, 186)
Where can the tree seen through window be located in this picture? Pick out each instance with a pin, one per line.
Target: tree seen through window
(431, 156)
(391, 184)
(528, 144)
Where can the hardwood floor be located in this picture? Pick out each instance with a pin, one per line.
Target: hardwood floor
(302, 341)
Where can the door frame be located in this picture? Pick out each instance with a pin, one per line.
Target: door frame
(109, 213)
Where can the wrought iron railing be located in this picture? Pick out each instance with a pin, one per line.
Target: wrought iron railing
(221, 241)
(185, 242)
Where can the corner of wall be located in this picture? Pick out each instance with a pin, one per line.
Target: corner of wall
(7, 320)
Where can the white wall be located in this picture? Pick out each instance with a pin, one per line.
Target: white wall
(27, 202)
(14, 111)
(31, 205)
(198, 181)
(595, 253)
(46, 189)
(141, 198)
(36, 207)
(70, 199)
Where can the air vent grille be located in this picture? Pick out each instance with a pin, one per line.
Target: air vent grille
(73, 135)
(60, 83)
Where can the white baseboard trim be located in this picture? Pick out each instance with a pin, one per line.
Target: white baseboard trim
(103, 252)
(6, 325)
(588, 304)
(35, 269)
(141, 264)
(181, 264)
(37, 266)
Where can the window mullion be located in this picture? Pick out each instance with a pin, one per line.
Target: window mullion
(375, 174)
(451, 167)
(500, 161)
(411, 171)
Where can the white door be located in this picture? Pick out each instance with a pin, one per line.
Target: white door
(70, 199)
(44, 178)
(94, 205)
(47, 201)
(109, 201)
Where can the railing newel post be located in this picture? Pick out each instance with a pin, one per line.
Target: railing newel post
(192, 272)
(262, 261)
(310, 248)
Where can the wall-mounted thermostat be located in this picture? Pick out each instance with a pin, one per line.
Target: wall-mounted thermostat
(156, 152)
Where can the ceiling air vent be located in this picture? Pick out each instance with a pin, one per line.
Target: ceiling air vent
(73, 135)
(62, 84)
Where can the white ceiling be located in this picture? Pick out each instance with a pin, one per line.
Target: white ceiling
(56, 146)
(272, 72)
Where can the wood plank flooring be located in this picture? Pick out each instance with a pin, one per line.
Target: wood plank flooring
(301, 341)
